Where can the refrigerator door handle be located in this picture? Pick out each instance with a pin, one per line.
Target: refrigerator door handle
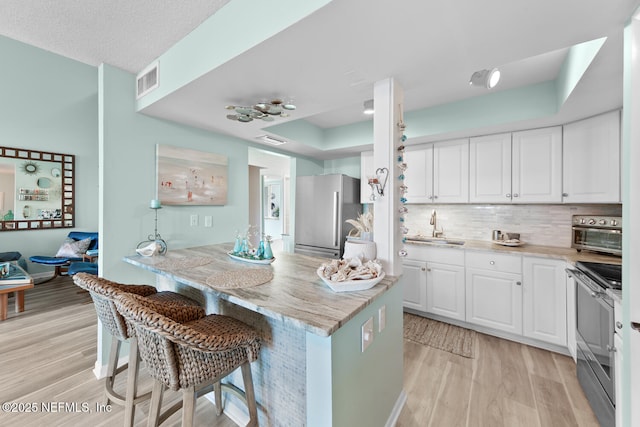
(336, 196)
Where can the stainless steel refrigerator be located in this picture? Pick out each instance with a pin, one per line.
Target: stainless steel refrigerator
(323, 204)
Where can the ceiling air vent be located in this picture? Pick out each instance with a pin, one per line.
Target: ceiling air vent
(271, 140)
(147, 80)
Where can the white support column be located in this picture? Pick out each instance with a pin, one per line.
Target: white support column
(388, 98)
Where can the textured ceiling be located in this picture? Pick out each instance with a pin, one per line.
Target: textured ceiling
(128, 34)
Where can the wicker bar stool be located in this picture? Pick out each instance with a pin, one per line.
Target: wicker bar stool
(103, 292)
(193, 356)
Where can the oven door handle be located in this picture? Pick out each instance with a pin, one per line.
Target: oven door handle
(583, 280)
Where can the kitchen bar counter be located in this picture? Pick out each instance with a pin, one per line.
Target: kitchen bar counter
(312, 369)
(566, 254)
(296, 295)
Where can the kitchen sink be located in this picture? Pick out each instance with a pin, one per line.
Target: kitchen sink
(435, 240)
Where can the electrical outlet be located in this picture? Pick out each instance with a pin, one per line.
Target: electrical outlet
(194, 221)
(382, 318)
(208, 221)
(367, 334)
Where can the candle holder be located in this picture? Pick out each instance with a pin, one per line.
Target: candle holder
(379, 182)
(155, 244)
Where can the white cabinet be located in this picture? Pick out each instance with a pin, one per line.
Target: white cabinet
(445, 290)
(618, 362)
(571, 316)
(591, 160)
(518, 167)
(366, 171)
(438, 172)
(544, 300)
(419, 177)
(536, 166)
(490, 169)
(494, 291)
(414, 279)
(451, 171)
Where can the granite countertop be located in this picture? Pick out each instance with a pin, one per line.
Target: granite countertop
(295, 295)
(568, 254)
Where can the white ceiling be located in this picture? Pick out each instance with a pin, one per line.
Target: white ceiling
(328, 62)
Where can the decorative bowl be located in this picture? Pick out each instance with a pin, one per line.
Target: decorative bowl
(350, 285)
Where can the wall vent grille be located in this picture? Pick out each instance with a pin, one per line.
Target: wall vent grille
(271, 140)
(147, 81)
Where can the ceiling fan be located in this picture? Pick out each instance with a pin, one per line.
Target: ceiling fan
(263, 110)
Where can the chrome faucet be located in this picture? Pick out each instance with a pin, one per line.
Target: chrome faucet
(433, 222)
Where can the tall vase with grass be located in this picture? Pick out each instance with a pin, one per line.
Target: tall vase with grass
(362, 226)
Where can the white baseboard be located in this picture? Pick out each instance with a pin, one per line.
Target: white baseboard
(100, 370)
(397, 408)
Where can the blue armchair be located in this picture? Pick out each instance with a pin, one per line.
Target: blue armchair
(66, 257)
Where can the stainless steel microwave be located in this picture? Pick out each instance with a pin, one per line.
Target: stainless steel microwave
(597, 233)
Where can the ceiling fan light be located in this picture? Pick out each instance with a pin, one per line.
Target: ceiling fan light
(368, 107)
(485, 78)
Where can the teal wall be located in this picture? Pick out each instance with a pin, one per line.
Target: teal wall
(348, 387)
(50, 103)
(348, 166)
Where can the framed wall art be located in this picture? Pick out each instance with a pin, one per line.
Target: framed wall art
(191, 177)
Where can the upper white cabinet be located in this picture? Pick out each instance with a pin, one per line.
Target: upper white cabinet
(490, 169)
(591, 160)
(366, 171)
(544, 301)
(518, 167)
(419, 174)
(438, 172)
(536, 167)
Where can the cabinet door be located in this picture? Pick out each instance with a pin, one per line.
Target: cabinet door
(451, 172)
(571, 316)
(419, 173)
(617, 378)
(366, 172)
(536, 167)
(445, 290)
(591, 160)
(414, 279)
(494, 300)
(544, 300)
(490, 169)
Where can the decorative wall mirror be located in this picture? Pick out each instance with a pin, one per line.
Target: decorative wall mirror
(36, 189)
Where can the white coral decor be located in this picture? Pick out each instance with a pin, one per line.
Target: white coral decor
(363, 224)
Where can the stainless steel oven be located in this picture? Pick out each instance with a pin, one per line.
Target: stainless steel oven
(597, 233)
(594, 335)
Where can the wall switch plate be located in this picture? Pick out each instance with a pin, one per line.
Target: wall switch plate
(208, 221)
(194, 221)
(367, 333)
(382, 318)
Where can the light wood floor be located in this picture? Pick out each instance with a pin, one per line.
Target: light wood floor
(47, 354)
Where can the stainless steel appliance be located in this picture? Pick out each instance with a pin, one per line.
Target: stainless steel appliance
(594, 335)
(323, 204)
(597, 233)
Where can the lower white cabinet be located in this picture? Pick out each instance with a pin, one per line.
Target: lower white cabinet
(445, 290)
(544, 300)
(618, 360)
(571, 317)
(414, 279)
(494, 299)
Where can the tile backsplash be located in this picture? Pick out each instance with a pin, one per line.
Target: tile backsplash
(547, 225)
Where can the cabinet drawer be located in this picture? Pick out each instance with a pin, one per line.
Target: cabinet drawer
(454, 256)
(495, 262)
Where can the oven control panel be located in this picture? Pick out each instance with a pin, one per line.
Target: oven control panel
(598, 221)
